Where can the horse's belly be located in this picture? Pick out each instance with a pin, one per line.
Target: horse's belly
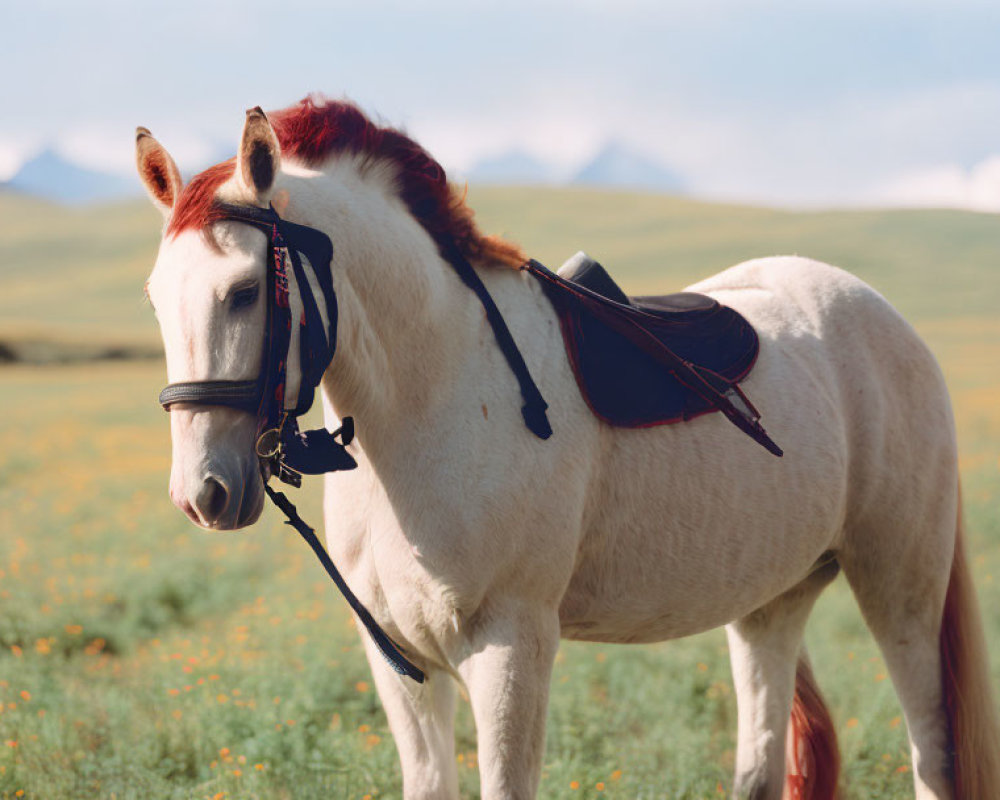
(669, 584)
(651, 613)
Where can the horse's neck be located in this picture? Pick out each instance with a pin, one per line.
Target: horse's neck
(404, 321)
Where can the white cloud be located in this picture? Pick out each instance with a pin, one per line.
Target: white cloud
(13, 153)
(948, 186)
(460, 142)
(112, 149)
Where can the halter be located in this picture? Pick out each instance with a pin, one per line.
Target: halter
(283, 450)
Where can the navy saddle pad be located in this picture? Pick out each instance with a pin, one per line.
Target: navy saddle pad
(644, 361)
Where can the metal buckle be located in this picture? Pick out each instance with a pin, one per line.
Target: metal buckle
(286, 474)
(268, 444)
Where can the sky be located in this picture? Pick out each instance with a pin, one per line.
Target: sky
(788, 102)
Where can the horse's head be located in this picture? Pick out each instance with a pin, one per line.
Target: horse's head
(207, 289)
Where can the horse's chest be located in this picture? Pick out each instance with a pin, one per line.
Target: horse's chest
(413, 606)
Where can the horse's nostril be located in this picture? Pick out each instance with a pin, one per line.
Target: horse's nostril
(212, 499)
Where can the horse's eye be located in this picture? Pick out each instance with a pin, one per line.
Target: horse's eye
(242, 298)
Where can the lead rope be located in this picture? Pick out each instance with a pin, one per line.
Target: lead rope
(387, 647)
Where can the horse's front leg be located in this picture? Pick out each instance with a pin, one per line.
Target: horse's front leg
(422, 720)
(511, 648)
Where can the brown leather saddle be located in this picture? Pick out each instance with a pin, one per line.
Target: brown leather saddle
(645, 361)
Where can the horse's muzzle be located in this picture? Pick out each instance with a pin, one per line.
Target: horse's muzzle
(223, 503)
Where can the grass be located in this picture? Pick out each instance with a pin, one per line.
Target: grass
(141, 658)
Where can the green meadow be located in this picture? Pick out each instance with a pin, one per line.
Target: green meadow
(143, 658)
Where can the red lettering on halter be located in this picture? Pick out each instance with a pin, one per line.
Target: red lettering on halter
(314, 130)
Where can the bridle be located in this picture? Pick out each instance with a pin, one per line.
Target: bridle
(281, 448)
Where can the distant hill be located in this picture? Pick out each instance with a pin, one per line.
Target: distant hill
(53, 177)
(622, 167)
(615, 166)
(74, 274)
(514, 167)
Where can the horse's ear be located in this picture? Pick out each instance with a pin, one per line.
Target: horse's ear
(259, 156)
(157, 170)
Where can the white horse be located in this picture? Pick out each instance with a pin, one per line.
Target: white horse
(477, 545)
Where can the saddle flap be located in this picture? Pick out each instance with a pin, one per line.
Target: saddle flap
(651, 360)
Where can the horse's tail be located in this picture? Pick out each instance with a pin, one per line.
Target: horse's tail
(969, 704)
(813, 758)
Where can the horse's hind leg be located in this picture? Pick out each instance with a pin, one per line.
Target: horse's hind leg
(764, 648)
(899, 576)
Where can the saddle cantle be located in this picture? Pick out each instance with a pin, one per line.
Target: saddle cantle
(646, 361)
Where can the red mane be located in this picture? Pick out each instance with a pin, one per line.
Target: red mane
(312, 132)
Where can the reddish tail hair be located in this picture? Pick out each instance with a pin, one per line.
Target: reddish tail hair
(813, 758)
(965, 675)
